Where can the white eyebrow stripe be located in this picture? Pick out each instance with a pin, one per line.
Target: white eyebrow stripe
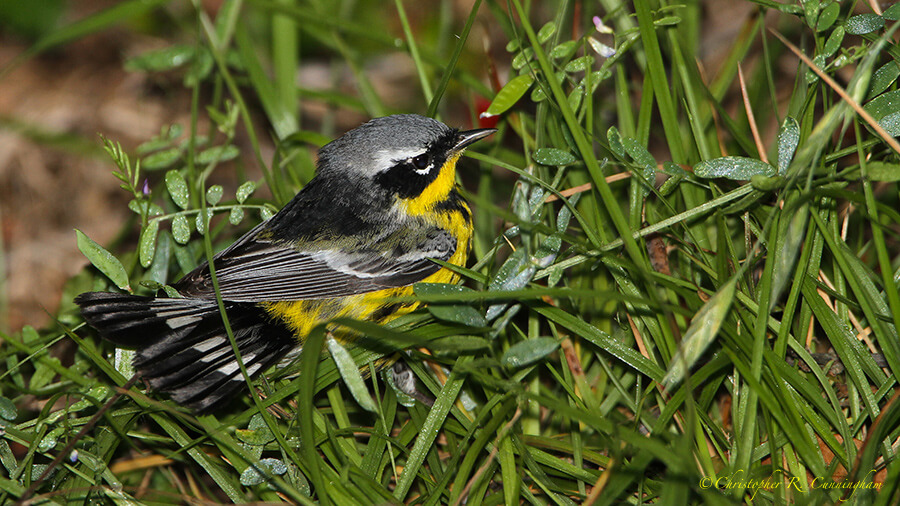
(386, 158)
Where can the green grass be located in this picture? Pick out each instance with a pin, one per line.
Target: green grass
(664, 340)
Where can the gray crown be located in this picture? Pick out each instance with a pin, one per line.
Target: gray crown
(370, 148)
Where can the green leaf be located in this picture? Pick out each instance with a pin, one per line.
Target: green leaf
(172, 132)
(892, 13)
(8, 459)
(576, 97)
(522, 58)
(50, 440)
(145, 208)
(214, 194)
(181, 229)
(509, 95)
(350, 374)
(456, 313)
(667, 21)
(811, 11)
(529, 351)
(564, 216)
(37, 470)
(766, 183)
(257, 432)
(244, 191)
(738, 168)
(538, 94)
(152, 145)
(788, 138)
(546, 32)
(103, 260)
(202, 220)
(503, 321)
(820, 62)
(673, 169)
(8, 409)
(639, 154)
(564, 50)
(170, 293)
(199, 69)
(266, 212)
(167, 134)
(514, 274)
(885, 109)
(833, 43)
(459, 343)
(884, 76)
(161, 159)
(828, 16)
(883, 171)
(700, 334)
(147, 243)
(217, 154)
(580, 64)
(547, 251)
(187, 256)
(236, 216)
(891, 124)
(161, 59)
(553, 157)
(46, 368)
(262, 471)
(615, 142)
(643, 159)
(199, 140)
(670, 185)
(178, 189)
(159, 269)
(791, 239)
(44, 373)
(862, 24)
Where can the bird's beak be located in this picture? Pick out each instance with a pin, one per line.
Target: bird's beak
(464, 139)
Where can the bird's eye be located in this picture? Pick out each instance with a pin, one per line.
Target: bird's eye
(421, 164)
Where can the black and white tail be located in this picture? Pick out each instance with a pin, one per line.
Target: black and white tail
(182, 347)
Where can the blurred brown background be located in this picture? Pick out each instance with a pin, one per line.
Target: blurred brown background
(54, 176)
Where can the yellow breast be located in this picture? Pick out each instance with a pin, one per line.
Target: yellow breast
(381, 306)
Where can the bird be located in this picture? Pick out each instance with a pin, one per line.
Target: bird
(383, 205)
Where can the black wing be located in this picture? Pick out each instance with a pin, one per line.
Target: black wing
(256, 269)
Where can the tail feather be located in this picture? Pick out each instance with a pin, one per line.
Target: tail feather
(183, 348)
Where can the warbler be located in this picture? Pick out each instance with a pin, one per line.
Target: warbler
(384, 204)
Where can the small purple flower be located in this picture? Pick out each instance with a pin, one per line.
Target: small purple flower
(598, 24)
(146, 189)
(599, 47)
